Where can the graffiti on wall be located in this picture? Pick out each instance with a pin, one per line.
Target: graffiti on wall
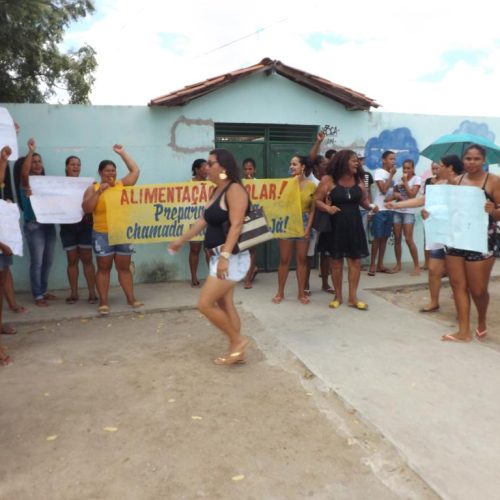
(399, 140)
(331, 132)
(475, 128)
(184, 129)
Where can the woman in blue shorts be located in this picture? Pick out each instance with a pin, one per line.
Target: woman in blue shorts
(77, 242)
(94, 202)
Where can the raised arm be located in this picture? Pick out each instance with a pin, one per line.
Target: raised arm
(131, 178)
(313, 154)
(26, 167)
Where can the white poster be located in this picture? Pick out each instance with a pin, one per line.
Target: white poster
(10, 230)
(8, 135)
(57, 199)
(457, 217)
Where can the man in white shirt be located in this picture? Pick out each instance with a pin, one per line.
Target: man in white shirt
(382, 220)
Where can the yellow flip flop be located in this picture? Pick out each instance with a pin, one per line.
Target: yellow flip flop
(334, 304)
(360, 306)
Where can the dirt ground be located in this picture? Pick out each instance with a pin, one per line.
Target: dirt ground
(132, 407)
(414, 298)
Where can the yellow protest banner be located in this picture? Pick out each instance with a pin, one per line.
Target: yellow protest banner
(155, 213)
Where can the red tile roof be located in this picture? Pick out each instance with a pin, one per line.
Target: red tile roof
(351, 99)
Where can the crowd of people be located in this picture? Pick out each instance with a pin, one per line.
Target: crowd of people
(337, 210)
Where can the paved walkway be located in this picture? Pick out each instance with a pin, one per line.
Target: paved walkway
(437, 402)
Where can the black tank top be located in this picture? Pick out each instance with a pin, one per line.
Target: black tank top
(217, 221)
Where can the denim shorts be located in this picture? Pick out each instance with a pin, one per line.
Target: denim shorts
(437, 254)
(305, 220)
(403, 218)
(239, 264)
(5, 261)
(103, 249)
(76, 235)
(382, 224)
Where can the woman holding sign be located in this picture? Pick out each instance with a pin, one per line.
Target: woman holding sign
(469, 272)
(94, 202)
(223, 220)
(41, 238)
(77, 243)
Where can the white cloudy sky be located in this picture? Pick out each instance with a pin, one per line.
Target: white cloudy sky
(427, 56)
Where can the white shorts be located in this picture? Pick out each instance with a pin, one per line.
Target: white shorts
(313, 239)
(239, 264)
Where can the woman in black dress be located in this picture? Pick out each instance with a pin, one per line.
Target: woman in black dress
(340, 193)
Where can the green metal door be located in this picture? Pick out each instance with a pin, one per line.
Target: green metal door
(272, 147)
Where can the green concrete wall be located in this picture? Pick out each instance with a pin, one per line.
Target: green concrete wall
(165, 141)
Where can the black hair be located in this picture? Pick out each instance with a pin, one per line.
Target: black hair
(330, 153)
(196, 165)
(104, 164)
(475, 146)
(249, 160)
(339, 165)
(385, 154)
(227, 160)
(410, 161)
(308, 164)
(69, 158)
(455, 162)
(72, 157)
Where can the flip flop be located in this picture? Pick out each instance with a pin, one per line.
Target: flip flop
(304, 300)
(334, 304)
(361, 306)
(277, 299)
(431, 310)
(329, 290)
(385, 271)
(137, 304)
(247, 286)
(8, 330)
(71, 300)
(103, 310)
(481, 335)
(371, 273)
(449, 337)
(92, 300)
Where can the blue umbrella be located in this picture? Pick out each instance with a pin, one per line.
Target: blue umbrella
(455, 144)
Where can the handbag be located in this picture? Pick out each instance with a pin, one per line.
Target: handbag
(322, 222)
(255, 230)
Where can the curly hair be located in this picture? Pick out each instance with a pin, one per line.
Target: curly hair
(339, 165)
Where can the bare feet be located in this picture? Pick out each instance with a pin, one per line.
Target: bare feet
(18, 309)
(4, 358)
(41, 303)
(247, 285)
(430, 308)
(304, 299)
(385, 270)
(416, 272)
(395, 270)
(277, 299)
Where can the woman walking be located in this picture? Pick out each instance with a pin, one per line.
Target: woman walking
(223, 221)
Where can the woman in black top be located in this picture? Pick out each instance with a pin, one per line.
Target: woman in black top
(227, 207)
